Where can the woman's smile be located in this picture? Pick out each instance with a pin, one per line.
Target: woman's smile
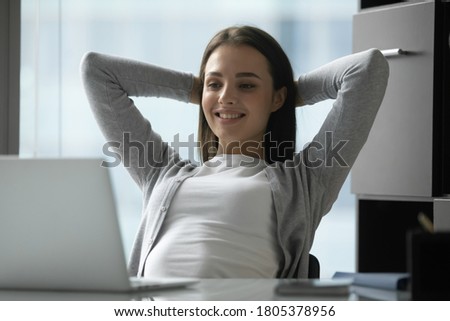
(229, 116)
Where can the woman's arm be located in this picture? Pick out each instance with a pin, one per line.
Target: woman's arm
(109, 82)
(357, 83)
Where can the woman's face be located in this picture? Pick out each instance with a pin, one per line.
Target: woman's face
(238, 97)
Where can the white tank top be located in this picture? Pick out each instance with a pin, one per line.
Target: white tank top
(221, 223)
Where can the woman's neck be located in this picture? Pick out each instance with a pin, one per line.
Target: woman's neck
(251, 149)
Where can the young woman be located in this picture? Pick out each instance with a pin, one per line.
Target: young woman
(252, 208)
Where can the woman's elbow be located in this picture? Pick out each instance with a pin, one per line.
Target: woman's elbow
(88, 65)
(378, 65)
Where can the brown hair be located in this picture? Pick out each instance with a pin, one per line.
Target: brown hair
(279, 138)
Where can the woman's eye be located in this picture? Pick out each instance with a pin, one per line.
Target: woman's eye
(246, 86)
(213, 85)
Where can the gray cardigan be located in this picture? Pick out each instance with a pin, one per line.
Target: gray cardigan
(303, 189)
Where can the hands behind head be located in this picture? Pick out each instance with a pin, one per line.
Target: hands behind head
(195, 92)
(298, 100)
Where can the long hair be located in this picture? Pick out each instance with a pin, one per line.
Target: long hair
(279, 137)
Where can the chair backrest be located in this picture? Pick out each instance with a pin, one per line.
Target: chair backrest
(314, 267)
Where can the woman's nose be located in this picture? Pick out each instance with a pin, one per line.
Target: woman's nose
(227, 96)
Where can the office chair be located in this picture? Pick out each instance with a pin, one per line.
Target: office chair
(313, 268)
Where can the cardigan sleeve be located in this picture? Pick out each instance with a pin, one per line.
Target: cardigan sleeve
(109, 82)
(357, 83)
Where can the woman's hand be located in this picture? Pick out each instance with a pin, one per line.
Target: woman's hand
(195, 93)
(298, 100)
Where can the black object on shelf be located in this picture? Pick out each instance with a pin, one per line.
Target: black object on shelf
(382, 233)
(364, 4)
(429, 265)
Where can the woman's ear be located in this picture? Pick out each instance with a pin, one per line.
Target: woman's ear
(279, 98)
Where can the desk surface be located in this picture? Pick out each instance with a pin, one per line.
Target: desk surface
(206, 290)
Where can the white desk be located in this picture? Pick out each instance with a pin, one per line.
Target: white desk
(205, 290)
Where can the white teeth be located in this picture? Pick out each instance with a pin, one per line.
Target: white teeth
(229, 116)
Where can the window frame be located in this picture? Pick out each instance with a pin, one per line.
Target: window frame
(10, 15)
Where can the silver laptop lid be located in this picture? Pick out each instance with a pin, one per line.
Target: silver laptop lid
(59, 227)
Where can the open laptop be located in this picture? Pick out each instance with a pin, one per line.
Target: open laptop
(59, 229)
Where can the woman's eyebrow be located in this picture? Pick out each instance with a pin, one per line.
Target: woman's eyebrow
(238, 75)
(213, 74)
(247, 74)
